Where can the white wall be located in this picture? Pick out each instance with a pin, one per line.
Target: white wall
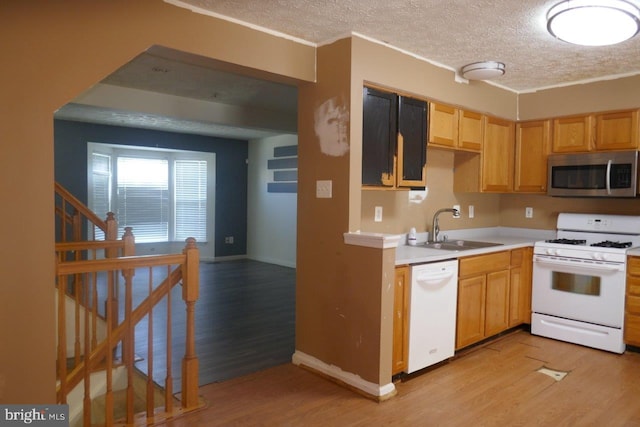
(271, 217)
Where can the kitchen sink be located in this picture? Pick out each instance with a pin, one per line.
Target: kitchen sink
(459, 245)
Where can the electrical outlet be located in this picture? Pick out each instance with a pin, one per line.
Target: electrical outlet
(528, 212)
(472, 211)
(377, 216)
(228, 240)
(457, 207)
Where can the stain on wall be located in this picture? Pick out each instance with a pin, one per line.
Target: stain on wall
(331, 121)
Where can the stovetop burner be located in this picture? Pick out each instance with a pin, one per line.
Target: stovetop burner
(567, 241)
(610, 244)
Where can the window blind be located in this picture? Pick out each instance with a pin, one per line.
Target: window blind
(101, 186)
(190, 199)
(142, 192)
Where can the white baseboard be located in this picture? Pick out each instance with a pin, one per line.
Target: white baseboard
(299, 358)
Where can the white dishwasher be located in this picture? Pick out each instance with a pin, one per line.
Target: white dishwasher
(432, 313)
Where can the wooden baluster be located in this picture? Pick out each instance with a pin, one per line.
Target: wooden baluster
(150, 387)
(86, 404)
(190, 294)
(76, 300)
(168, 381)
(94, 311)
(128, 342)
(62, 340)
(63, 221)
(76, 226)
(112, 285)
(108, 397)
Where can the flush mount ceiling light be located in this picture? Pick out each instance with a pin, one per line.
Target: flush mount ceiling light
(594, 22)
(483, 70)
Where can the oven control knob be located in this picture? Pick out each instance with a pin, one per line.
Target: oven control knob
(552, 251)
(599, 256)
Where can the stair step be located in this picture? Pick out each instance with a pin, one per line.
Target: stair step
(98, 409)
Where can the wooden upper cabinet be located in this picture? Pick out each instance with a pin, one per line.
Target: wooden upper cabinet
(497, 155)
(443, 125)
(379, 133)
(573, 134)
(394, 140)
(533, 140)
(471, 126)
(451, 127)
(412, 142)
(617, 130)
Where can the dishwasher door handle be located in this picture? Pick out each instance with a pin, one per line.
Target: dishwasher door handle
(428, 278)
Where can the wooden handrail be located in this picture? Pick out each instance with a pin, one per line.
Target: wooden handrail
(120, 263)
(80, 207)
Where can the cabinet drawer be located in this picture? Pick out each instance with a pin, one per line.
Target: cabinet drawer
(633, 285)
(633, 305)
(633, 265)
(473, 265)
(632, 329)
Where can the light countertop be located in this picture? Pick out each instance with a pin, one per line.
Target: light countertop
(508, 238)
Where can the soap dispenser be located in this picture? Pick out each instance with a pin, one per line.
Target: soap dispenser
(412, 238)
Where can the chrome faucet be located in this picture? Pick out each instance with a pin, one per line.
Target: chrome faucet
(435, 229)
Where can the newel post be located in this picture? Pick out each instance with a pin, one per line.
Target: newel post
(129, 242)
(111, 233)
(190, 294)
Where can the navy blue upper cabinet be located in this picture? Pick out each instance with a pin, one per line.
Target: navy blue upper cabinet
(394, 140)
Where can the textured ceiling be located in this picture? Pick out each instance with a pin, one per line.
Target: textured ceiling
(451, 33)
(448, 33)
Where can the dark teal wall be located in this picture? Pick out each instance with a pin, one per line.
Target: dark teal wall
(70, 156)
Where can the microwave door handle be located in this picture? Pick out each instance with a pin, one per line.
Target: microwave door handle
(609, 176)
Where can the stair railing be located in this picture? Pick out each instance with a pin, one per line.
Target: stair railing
(73, 216)
(148, 280)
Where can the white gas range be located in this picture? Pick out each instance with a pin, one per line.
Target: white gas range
(579, 280)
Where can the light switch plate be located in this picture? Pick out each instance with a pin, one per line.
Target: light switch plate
(323, 189)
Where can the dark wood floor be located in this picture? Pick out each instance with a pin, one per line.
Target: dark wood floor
(495, 385)
(245, 322)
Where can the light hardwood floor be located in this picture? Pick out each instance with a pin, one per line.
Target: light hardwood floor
(494, 385)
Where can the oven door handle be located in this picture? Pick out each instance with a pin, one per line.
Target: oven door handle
(579, 265)
(609, 176)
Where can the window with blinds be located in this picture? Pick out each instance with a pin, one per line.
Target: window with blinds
(163, 195)
(190, 199)
(142, 197)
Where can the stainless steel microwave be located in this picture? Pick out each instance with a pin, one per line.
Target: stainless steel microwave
(611, 174)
